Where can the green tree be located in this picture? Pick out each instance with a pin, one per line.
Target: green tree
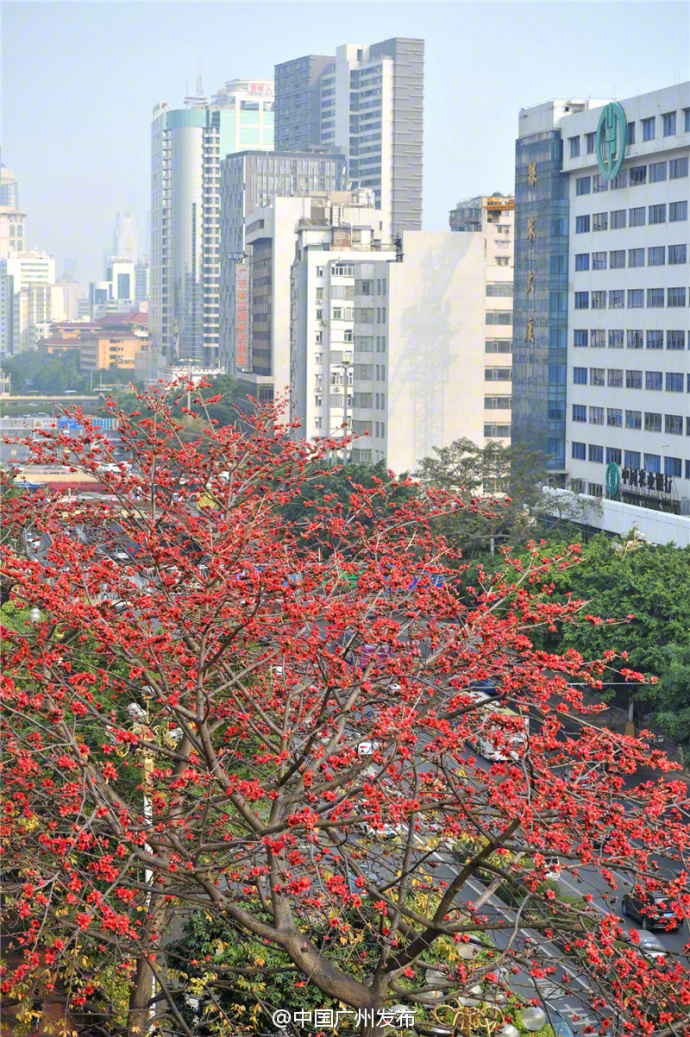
(503, 492)
(647, 590)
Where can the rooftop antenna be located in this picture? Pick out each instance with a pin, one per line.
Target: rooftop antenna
(197, 100)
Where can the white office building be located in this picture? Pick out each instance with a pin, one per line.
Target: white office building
(19, 271)
(398, 343)
(602, 191)
(126, 237)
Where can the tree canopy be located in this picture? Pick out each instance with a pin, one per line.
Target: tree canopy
(214, 718)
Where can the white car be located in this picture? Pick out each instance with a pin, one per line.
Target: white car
(368, 748)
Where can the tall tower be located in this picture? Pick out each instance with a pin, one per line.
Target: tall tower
(369, 102)
(186, 150)
(125, 237)
(9, 189)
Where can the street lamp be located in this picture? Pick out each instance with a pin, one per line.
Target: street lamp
(533, 1018)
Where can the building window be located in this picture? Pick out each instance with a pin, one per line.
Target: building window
(499, 345)
(648, 129)
(674, 382)
(613, 454)
(635, 298)
(596, 453)
(676, 296)
(318, 422)
(652, 422)
(657, 172)
(654, 380)
(617, 299)
(599, 260)
(599, 300)
(591, 141)
(582, 224)
(582, 261)
(677, 254)
(652, 462)
(677, 168)
(598, 339)
(657, 214)
(633, 379)
(599, 184)
(656, 256)
(319, 314)
(633, 419)
(637, 217)
(673, 466)
(600, 221)
(574, 147)
(583, 185)
(632, 459)
(319, 271)
(630, 133)
(499, 317)
(655, 297)
(673, 424)
(638, 176)
(579, 376)
(616, 337)
(675, 340)
(677, 211)
(595, 489)
(596, 415)
(503, 289)
(617, 259)
(686, 113)
(614, 417)
(618, 219)
(579, 412)
(669, 124)
(579, 451)
(655, 340)
(498, 374)
(497, 431)
(596, 376)
(581, 300)
(580, 336)
(615, 378)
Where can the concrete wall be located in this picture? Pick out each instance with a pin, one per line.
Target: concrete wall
(617, 517)
(436, 335)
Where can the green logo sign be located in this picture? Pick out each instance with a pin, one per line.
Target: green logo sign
(611, 139)
(613, 478)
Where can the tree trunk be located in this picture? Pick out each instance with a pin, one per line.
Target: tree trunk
(140, 997)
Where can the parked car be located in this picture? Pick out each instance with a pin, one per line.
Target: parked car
(651, 910)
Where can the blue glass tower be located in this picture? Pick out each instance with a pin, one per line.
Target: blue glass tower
(541, 297)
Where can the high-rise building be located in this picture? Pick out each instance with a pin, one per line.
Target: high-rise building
(250, 180)
(9, 189)
(12, 231)
(392, 340)
(370, 105)
(491, 216)
(19, 271)
(120, 272)
(142, 273)
(298, 102)
(125, 236)
(12, 221)
(601, 381)
(187, 145)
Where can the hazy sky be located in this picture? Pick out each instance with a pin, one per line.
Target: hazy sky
(80, 81)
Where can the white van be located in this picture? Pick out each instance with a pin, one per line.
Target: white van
(487, 739)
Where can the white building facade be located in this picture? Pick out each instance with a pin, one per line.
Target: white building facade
(620, 354)
(18, 272)
(398, 344)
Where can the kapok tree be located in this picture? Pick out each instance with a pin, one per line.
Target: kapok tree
(270, 724)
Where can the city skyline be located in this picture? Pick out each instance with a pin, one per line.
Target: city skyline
(102, 172)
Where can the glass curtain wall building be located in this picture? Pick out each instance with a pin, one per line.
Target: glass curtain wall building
(187, 145)
(250, 180)
(540, 310)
